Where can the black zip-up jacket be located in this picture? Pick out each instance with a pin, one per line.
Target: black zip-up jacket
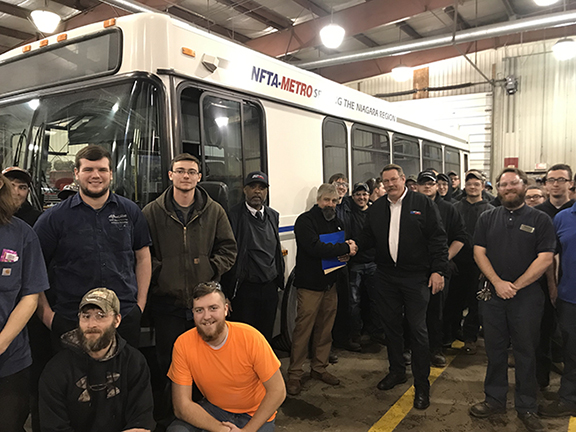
(81, 394)
(470, 214)
(422, 246)
(239, 215)
(307, 229)
(452, 221)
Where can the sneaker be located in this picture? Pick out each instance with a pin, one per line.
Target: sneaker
(470, 348)
(293, 387)
(438, 360)
(531, 421)
(485, 410)
(557, 409)
(327, 377)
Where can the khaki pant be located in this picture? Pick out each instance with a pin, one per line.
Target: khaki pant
(316, 313)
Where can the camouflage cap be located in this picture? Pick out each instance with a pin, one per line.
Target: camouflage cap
(104, 298)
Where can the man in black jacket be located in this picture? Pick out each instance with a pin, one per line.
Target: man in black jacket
(21, 181)
(99, 382)
(412, 258)
(252, 284)
(317, 298)
(457, 236)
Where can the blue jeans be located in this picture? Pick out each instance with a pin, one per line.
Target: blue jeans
(219, 414)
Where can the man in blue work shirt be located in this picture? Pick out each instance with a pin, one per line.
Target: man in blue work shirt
(565, 225)
(96, 238)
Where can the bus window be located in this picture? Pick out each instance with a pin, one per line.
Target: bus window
(451, 160)
(407, 153)
(190, 114)
(334, 143)
(122, 118)
(370, 152)
(432, 156)
(232, 142)
(14, 127)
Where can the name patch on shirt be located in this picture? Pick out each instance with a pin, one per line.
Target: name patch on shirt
(119, 221)
(9, 256)
(415, 212)
(526, 228)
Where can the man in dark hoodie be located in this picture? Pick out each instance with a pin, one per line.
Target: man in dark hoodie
(192, 242)
(98, 383)
(317, 297)
(21, 181)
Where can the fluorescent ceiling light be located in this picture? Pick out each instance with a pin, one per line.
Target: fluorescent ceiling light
(34, 103)
(564, 49)
(45, 21)
(221, 121)
(332, 35)
(402, 73)
(545, 2)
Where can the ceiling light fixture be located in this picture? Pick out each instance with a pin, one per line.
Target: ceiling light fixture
(45, 20)
(545, 2)
(564, 49)
(402, 73)
(332, 35)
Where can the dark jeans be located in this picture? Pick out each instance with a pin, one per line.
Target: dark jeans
(462, 295)
(361, 284)
(396, 293)
(14, 401)
(256, 304)
(434, 317)
(515, 321)
(341, 329)
(41, 348)
(567, 322)
(219, 414)
(544, 350)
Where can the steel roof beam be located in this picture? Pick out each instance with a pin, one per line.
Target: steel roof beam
(259, 13)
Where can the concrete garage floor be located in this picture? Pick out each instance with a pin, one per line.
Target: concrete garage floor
(356, 405)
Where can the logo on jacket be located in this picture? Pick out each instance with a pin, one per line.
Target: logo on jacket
(108, 386)
(415, 212)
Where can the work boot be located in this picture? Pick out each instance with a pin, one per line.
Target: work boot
(470, 348)
(390, 381)
(485, 410)
(558, 409)
(438, 360)
(332, 358)
(327, 377)
(531, 421)
(293, 387)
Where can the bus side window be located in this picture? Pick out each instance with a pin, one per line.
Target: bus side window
(190, 116)
(370, 152)
(451, 159)
(334, 143)
(432, 156)
(407, 153)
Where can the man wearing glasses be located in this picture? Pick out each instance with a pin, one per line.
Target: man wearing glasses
(98, 382)
(558, 183)
(513, 246)
(192, 242)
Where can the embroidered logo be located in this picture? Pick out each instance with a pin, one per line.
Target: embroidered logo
(119, 221)
(108, 386)
(9, 256)
(415, 212)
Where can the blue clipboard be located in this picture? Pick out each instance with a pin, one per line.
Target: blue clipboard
(331, 264)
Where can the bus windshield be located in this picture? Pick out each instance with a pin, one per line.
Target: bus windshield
(44, 134)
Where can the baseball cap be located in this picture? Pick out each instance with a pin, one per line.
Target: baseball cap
(474, 174)
(489, 184)
(104, 298)
(17, 173)
(444, 177)
(68, 190)
(426, 176)
(360, 187)
(256, 176)
(453, 173)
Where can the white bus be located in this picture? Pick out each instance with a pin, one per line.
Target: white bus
(148, 87)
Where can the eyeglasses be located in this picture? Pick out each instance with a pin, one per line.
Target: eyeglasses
(191, 173)
(511, 184)
(534, 197)
(99, 316)
(341, 184)
(553, 180)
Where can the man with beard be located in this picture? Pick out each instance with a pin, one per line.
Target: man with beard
(513, 246)
(411, 258)
(232, 365)
(317, 297)
(94, 238)
(253, 282)
(98, 382)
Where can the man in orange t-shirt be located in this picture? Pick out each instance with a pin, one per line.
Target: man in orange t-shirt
(232, 365)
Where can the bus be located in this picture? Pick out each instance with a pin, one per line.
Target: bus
(148, 87)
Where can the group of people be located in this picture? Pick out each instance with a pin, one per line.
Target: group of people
(401, 264)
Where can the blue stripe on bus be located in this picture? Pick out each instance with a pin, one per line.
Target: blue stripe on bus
(286, 229)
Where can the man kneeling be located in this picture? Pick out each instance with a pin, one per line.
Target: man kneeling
(232, 365)
(98, 383)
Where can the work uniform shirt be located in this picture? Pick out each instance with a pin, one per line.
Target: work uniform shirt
(22, 273)
(514, 238)
(87, 248)
(565, 224)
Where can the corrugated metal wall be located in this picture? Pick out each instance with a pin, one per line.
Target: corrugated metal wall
(536, 124)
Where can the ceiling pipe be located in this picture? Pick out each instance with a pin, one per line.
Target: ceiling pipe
(471, 35)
